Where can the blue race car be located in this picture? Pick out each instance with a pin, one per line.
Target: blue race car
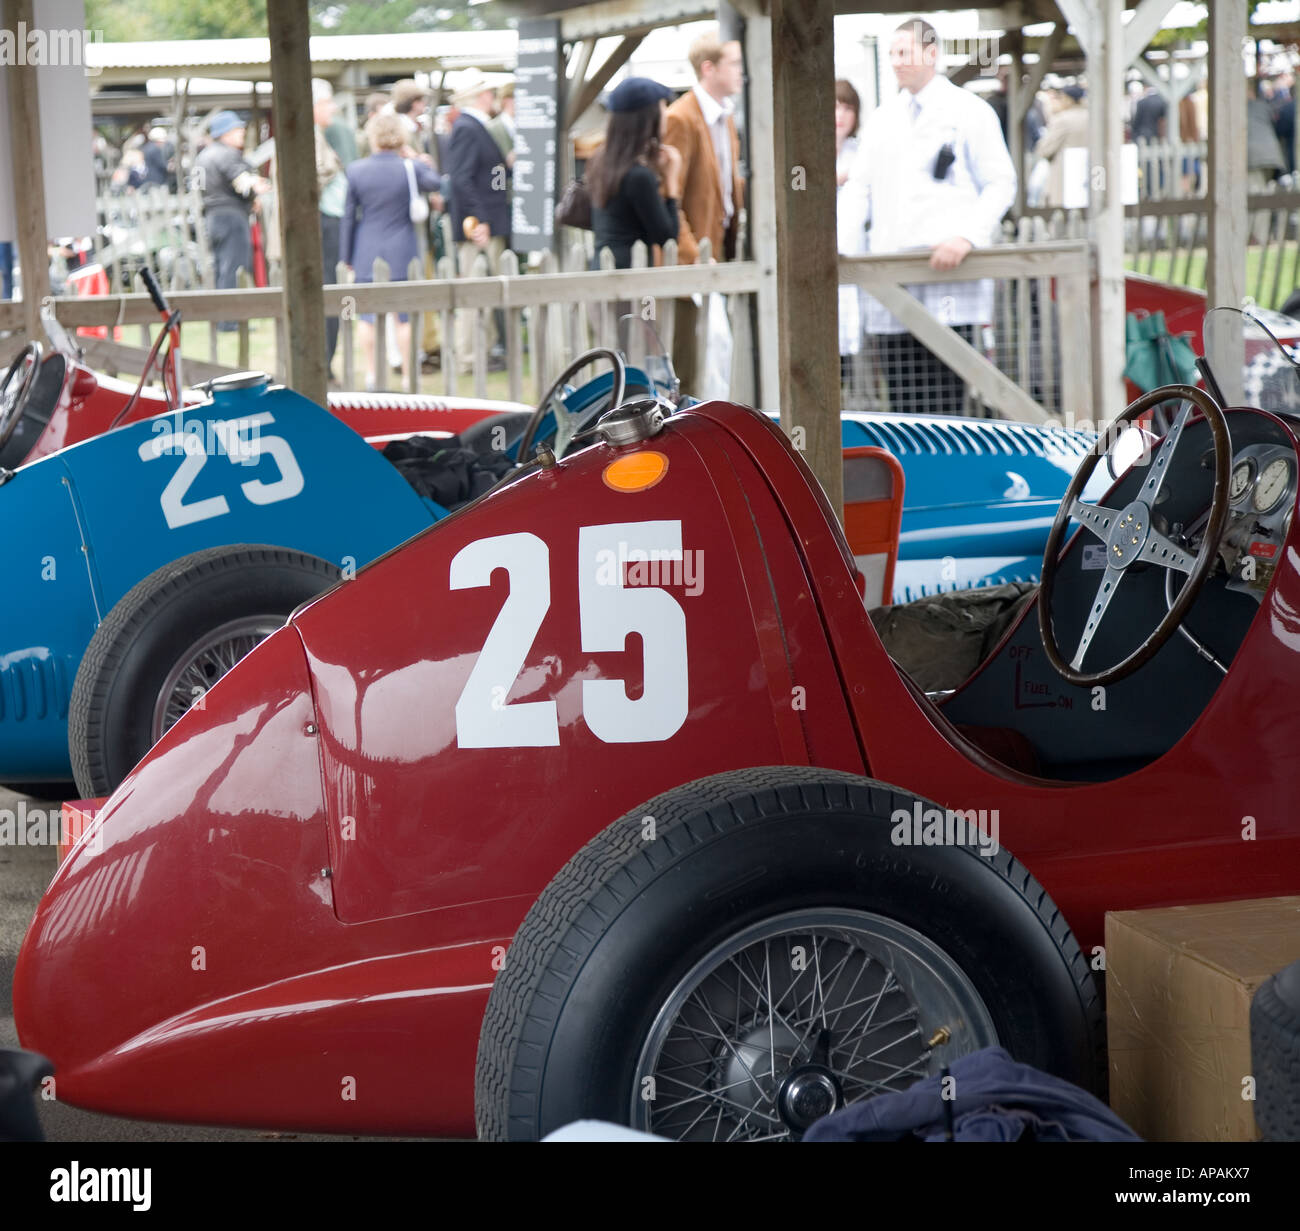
(143, 563)
(979, 499)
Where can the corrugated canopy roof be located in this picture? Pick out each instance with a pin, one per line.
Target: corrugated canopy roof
(250, 58)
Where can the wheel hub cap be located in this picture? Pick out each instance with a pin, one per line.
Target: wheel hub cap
(1128, 536)
(808, 1094)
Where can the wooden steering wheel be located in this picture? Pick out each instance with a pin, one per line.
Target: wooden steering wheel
(1131, 539)
(16, 388)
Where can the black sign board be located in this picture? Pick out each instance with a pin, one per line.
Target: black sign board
(539, 79)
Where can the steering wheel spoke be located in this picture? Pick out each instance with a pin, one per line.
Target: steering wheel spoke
(1095, 517)
(1105, 592)
(1165, 552)
(1159, 465)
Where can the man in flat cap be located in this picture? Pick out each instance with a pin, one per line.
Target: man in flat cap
(229, 188)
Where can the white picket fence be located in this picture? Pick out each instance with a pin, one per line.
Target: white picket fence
(1167, 240)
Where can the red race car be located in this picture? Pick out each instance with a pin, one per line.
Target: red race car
(603, 797)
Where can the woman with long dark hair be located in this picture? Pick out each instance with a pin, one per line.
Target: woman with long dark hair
(634, 179)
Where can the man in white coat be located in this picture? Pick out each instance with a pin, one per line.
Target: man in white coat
(932, 174)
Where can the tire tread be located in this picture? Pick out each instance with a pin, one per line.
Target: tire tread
(1275, 1056)
(128, 620)
(588, 890)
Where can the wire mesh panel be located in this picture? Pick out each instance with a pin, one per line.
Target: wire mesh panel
(893, 371)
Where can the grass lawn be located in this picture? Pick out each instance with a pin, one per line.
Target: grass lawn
(196, 343)
(1287, 276)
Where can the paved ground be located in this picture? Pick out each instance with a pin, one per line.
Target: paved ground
(24, 873)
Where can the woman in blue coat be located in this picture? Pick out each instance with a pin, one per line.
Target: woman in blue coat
(376, 222)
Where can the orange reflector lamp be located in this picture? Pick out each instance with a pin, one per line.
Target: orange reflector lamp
(636, 472)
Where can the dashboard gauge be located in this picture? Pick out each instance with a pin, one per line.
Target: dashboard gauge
(1271, 484)
(1240, 483)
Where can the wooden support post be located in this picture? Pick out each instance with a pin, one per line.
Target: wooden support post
(1021, 98)
(579, 63)
(803, 82)
(254, 121)
(27, 170)
(180, 103)
(1017, 109)
(762, 214)
(300, 242)
(1105, 43)
(1226, 196)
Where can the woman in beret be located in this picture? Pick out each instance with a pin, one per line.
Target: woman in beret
(634, 179)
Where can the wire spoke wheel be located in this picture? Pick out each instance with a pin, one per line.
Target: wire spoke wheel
(797, 1016)
(204, 663)
(766, 957)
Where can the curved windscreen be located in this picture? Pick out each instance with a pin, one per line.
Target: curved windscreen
(642, 347)
(1249, 366)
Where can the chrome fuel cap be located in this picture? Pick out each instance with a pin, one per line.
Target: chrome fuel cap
(632, 422)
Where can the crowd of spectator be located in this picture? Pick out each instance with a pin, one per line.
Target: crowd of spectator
(422, 176)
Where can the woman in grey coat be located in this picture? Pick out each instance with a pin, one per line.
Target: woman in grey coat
(376, 222)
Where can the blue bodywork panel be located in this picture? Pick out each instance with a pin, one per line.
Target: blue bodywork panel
(979, 495)
(85, 525)
(254, 465)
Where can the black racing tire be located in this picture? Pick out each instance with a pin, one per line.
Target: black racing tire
(154, 628)
(1275, 1055)
(625, 924)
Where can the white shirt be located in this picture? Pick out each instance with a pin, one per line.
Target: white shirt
(892, 186)
(715, 119)
(851, 243)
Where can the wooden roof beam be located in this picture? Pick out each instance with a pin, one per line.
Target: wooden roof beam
(587, 93)
(295, 156)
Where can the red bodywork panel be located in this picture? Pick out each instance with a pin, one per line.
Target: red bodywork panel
(90, 403)
(312, 881)
(1183, 306)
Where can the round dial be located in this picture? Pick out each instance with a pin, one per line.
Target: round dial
(1272, 482)
(1240, 480)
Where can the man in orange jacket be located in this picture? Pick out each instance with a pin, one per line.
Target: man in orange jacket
(701, 127)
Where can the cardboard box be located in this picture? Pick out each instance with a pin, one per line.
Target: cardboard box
(1179, 982)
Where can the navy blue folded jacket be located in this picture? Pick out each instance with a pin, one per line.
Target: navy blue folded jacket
(996, 1099)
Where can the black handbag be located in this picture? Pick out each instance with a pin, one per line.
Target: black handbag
(574, 209)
